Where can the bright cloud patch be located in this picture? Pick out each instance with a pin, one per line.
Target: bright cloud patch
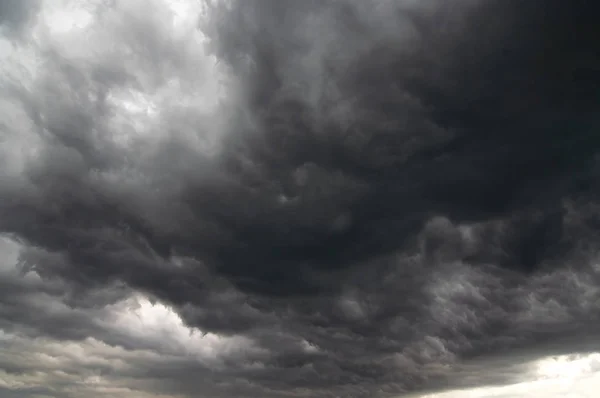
(576, 376)
(160, 327)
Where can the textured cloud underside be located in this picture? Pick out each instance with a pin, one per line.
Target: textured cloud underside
(270, 198)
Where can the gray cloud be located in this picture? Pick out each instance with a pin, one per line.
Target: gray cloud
(373, 196)
(16, 15)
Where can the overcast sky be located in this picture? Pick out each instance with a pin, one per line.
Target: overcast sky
(299, 198)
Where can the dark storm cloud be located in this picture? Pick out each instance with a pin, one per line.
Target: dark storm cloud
(397, 187)
(473, 126)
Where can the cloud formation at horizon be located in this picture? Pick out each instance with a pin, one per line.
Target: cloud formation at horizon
(280, 198)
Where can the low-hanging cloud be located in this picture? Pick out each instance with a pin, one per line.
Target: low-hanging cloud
(344, 198)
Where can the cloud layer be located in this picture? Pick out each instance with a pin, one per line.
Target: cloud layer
(316, 198)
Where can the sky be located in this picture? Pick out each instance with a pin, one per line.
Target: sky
(284, 198)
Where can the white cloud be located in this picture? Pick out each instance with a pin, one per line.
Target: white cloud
(159, 326)
(570, 376)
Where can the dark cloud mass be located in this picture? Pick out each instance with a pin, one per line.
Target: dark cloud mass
(383, 192)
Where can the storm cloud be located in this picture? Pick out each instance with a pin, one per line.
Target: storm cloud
(296, 198)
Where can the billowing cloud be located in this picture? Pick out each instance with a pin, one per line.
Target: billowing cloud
(296, 198)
